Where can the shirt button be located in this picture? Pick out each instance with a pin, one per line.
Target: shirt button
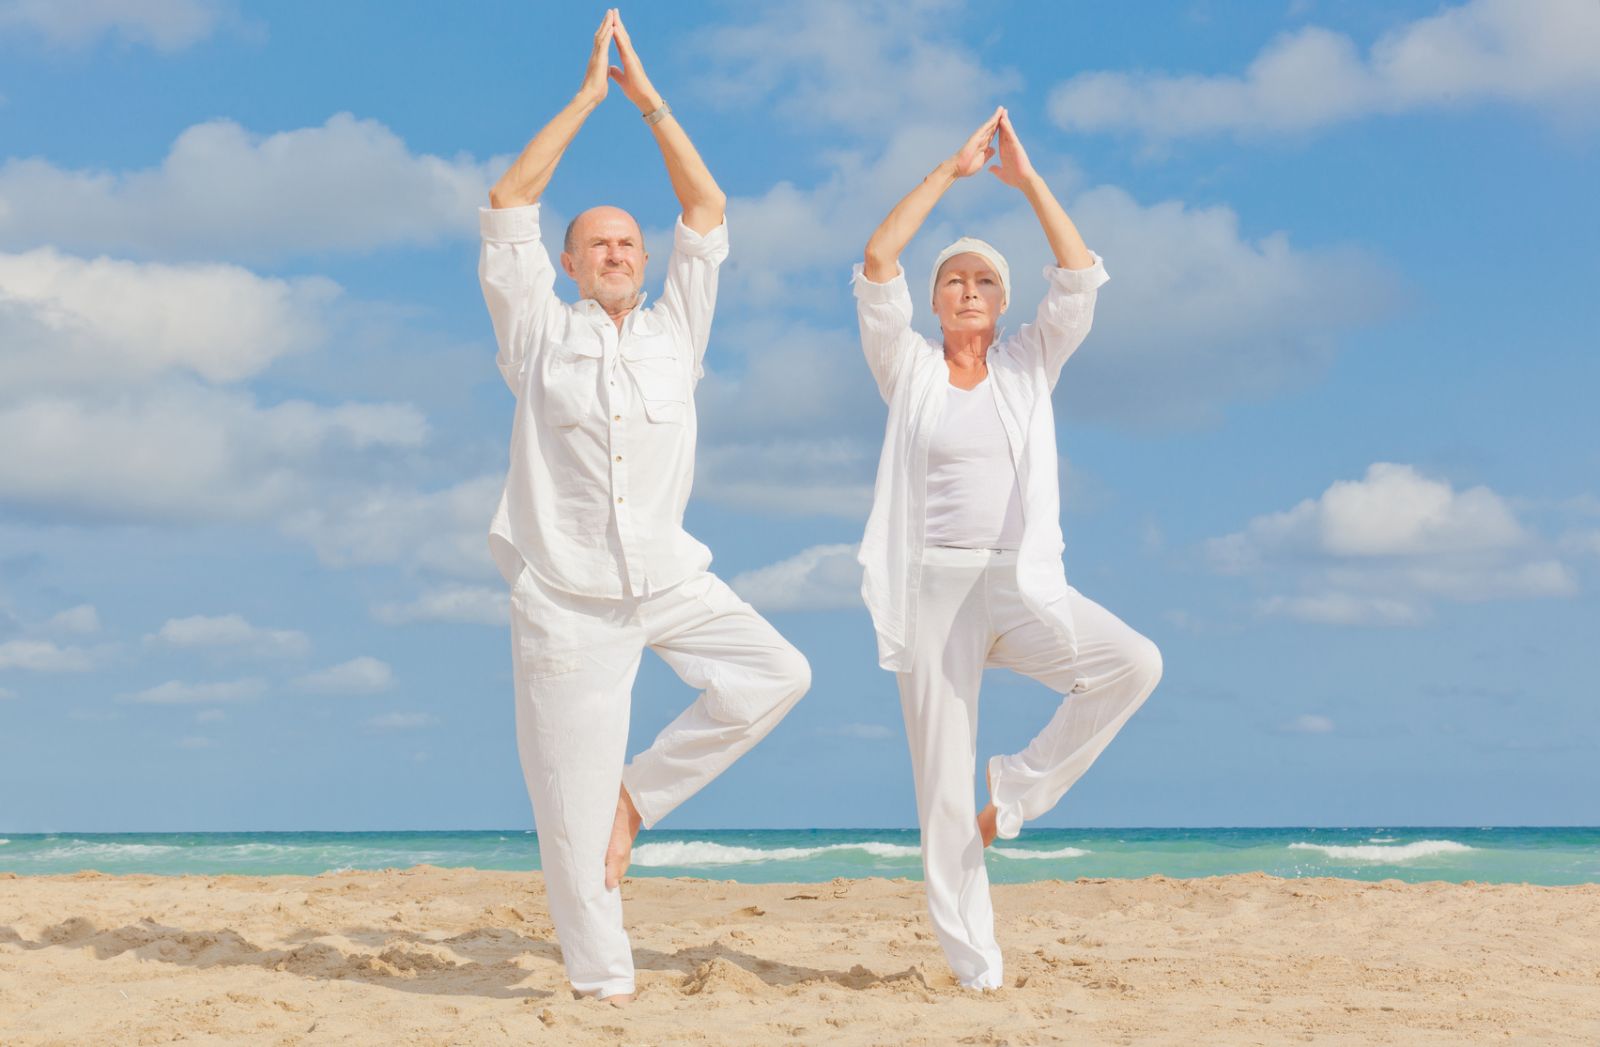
(619, 457)
(616, 418)
(619, 501)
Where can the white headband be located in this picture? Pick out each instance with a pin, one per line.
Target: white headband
(970, 245)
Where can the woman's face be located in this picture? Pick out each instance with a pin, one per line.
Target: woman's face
(967, 295)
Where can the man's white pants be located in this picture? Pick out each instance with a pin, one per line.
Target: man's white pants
(970, 616)
(575, 660)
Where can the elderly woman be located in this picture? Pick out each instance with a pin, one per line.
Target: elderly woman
(962, 552)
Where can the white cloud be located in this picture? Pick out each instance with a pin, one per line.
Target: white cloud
(1307, 723)
(230, 631)
(166, 25)
(224, 192)
(109, 393)
(184, 452)
(482, 605)
(1393, 511)
(823, 577)
(364, 675)
(1491, 578)
(44, 656)
(442, 531)
(1380, 550)
(179, 692)
(851, 64)
(82, 619)
(103, 322)
(1540, 54)
(1197, 315)
(402, 721)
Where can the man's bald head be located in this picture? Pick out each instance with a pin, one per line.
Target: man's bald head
(605, 256)
(603, 211)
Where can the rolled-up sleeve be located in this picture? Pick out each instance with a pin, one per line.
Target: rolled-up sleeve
(689, 295)
(884, 312)
(1064, 316)
(518, 283)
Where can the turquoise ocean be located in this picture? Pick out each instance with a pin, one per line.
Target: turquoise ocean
(1492, 855)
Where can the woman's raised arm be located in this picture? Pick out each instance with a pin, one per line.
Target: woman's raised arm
(891, 237)
(1015, 170)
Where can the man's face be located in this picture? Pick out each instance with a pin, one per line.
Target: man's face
(967, 294)
(606, 258)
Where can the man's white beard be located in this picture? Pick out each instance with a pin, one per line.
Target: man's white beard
(616, 301)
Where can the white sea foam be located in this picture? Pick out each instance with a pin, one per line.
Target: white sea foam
(1382, 839)
(1018, 852)
(702, 852)
(1383, 853)
(85, 849)
(4, 842)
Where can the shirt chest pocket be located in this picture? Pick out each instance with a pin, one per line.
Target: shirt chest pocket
(659, 375)
(571, 379)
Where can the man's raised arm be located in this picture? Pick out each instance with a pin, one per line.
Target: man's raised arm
(703, 202)
(525, 181)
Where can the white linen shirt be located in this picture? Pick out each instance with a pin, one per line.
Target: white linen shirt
(602, 442)
(911, 374)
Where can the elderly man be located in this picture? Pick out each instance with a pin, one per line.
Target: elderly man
(589, 532)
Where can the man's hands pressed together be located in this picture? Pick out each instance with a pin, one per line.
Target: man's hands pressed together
(631, 76)
(595, 80)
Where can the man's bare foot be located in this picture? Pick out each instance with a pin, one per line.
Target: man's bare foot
(618, 999)
(988, 825)
(620, 850)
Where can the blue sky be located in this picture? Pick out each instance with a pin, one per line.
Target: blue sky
(1331, 443)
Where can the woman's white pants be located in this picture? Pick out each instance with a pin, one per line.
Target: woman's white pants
(575, 659)
(970, 616)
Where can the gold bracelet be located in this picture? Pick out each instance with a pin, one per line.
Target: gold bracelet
(656, 115)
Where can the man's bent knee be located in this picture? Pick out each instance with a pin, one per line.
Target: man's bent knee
(1146, 659)
(795, 671)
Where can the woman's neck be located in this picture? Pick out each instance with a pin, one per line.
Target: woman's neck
(966, 350)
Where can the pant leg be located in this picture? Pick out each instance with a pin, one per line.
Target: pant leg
(1114, 672)
(749, 678)
(939, 698)
(575, 662)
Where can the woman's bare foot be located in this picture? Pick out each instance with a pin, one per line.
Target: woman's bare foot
(621, 999)
(988, 826)
(620, 850)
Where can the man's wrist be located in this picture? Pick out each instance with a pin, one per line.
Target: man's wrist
(655, 116)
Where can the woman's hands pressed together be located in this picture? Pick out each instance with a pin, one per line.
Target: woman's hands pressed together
(1014, 168)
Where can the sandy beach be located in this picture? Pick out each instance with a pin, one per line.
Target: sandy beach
(457, 956)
